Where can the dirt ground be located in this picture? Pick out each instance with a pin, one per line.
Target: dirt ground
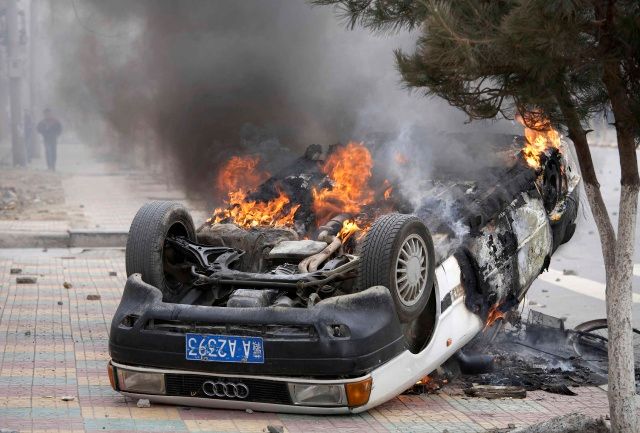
(27, 194)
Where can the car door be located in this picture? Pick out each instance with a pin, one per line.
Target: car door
(511, 250)
(530, 225)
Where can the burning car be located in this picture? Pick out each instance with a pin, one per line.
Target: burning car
(313, 291)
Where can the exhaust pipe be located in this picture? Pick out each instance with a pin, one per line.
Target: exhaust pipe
(474, 363)
(334, 225)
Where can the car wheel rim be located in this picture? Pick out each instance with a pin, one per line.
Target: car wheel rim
(411, 270)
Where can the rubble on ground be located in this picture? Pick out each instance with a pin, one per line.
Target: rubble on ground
(26, 280)
(31, 195)
(143, 403)
(8, 198)
(570, 423)
(536, 355)
(492, 391)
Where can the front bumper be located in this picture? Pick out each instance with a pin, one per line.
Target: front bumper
(456, 327)
(345, 336)
(242, 392)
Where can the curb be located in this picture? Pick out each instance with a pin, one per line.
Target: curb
(64, 239)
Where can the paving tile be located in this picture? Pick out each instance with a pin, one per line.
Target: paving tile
(48, 351)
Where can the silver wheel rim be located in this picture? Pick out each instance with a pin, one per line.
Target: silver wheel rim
(411, 270)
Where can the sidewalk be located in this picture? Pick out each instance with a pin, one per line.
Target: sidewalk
(87, 202)
(54, 343)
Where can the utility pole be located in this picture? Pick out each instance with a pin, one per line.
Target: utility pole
(33, 67)
(4, 82)
(32, 145)
(15, 70)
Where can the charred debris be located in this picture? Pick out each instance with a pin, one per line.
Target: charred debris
(519, 355)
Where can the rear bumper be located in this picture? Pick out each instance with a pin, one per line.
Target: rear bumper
(345, 336)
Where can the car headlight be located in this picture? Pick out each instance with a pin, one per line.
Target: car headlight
(350, 394)
(311, 394)
(142, 382)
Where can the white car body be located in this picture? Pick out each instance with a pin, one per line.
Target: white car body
(455, 324)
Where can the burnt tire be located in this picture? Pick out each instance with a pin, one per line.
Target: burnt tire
(592, 337)
(564, 229)
(552, 183)
(397, 252)
(146, 253)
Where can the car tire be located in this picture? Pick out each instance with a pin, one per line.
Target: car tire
(564, 229)
(399, 248)
(145, 251)
(569, 232)
(553, 180)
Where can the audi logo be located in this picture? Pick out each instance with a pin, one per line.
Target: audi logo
(216, 388)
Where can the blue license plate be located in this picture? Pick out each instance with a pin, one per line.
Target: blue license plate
(224, 348)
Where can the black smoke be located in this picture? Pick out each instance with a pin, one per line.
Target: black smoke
(196, 81)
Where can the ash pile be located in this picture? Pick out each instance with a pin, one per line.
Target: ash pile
(536, 353)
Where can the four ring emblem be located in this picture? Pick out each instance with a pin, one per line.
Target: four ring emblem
(217, 388)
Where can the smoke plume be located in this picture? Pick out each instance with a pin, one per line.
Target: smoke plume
(195, 82)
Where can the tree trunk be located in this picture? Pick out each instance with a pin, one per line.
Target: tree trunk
(622, 405)
(622, 390)
(578, 135)
(617, 254)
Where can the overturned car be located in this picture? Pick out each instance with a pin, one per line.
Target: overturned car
(302, 296)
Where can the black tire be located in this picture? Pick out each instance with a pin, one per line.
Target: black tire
(591, 338)
(552, 183)
(564, 229)
(573, 204)
(146, 253)
(569, 232)
(380, 266)
(474, 298)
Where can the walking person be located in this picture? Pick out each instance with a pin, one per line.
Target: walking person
(50, 128)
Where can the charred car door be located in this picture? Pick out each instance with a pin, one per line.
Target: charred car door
(510, 252)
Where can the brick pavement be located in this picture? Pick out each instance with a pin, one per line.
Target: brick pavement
(48, 351)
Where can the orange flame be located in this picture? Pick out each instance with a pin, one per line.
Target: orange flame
(388, 189)
(401, 159)
(494, 315)
(349, 227)
(238, 176)
(540, 136)
(251, 213)
(350, 169)
(425, 380)
(240, 172)
(429, 384)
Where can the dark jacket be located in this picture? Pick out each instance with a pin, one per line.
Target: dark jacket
(50, 129)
